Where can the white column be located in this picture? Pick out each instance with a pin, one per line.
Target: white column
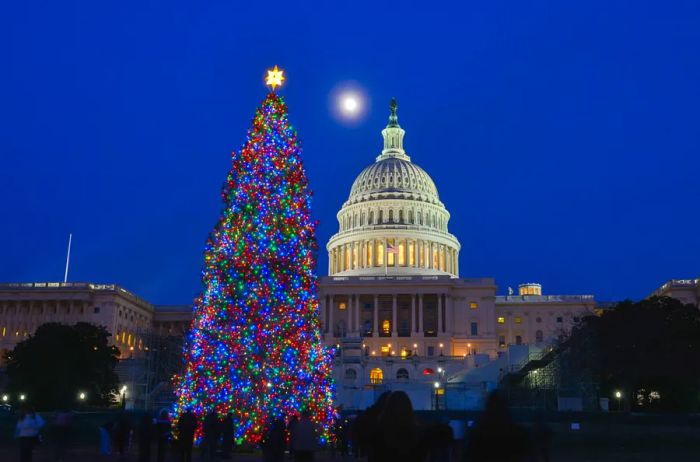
(413, 313)
(375, 331)
(420, 314)
(394, 330)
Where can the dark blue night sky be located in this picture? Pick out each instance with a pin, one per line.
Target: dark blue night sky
(564, 139)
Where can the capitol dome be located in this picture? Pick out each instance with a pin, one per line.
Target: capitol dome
(393, 222)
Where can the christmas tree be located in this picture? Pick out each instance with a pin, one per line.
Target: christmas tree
(255, 345)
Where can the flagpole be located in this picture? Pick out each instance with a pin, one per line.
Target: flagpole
(386, 256)
(65, 276)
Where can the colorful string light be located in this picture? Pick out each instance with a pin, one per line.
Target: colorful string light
(255, 348)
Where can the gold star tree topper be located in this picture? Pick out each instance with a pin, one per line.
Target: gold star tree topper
(275, 77)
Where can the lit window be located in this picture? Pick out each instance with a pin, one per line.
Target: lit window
(341, 306)
(386, 326)
(473, 305)
(501, 341)
(376, 376)
(501, 320)
(518, 320)
(402, 253)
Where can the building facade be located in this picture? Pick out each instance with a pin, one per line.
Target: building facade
(394, 305)
(685, 290)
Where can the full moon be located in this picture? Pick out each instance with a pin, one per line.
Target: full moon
(350, 104)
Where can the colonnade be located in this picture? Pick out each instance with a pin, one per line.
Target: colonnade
(410, 253)
(351, 314)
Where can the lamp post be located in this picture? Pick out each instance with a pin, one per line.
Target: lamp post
(123, 393)
(437, 389)
(618, 396)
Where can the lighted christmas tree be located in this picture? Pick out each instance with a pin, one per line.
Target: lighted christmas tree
(255, 346)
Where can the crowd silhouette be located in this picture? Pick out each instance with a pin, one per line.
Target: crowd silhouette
(389, 430)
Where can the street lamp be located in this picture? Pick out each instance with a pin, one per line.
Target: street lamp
(5, 398)
(441, 346)
(22, 397)
(437, 397)
(618, 395)
(82, 396)
(123, 392)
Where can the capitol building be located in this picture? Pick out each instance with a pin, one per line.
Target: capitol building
(398, 312)
(393, 306)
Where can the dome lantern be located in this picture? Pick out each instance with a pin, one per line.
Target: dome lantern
(393, 137)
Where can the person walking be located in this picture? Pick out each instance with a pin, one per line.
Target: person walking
(186, 427)
(304, 438)
(227, 435)
(163, 435)
(27, 432)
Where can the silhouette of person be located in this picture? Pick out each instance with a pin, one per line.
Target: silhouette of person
(145, 438)
(27, 431)
(273, 443)
(122, 434)
(186, 428)
(495, 436)
(399, 438)
(163, 433)
(62, 429)
(304, 439)
(212, 432)
(366, 428)
(227, 435)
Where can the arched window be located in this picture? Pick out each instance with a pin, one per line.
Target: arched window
(518, 340)
(420, 218)
(402, 374)
(410, 217)
(350, 374)
(362, 219)
(371, 217)
(381, 216)
(400, 216)
(376, 376)
(386, 326)
(391, 215)
(539, 336)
